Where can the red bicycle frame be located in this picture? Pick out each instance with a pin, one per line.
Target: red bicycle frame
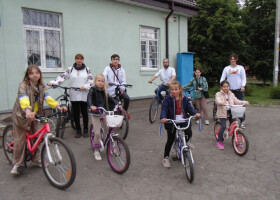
(232, 129)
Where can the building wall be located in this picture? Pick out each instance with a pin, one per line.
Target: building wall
(95, 28)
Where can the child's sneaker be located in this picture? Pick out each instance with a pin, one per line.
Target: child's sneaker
(242, 125)
(14, 170)
(36, 164)
(197, 121)
(207, 122)
(220, 145)
(166, 162)
(97, 155)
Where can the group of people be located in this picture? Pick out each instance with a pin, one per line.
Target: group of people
(176, 106)
(98, 93)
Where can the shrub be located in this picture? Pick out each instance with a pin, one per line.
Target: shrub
(249, 89)
(275, 93)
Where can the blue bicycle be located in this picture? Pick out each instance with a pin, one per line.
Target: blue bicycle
(183, 148)
(154, 106)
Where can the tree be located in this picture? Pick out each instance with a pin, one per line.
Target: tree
(214, 34)
(259, 19)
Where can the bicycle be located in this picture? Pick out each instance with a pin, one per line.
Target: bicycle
(183, 148)
(58, 161)
(117, 151)
(240, 142)
(215, 111)
(155, 105)
(124, 128)
(65, 117)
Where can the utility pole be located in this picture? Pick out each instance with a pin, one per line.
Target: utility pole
(276, 45)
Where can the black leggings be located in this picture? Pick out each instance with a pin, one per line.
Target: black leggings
(126, 100)
(171, 133)
(80, 107)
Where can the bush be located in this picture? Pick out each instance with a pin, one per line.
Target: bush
(275, 93)
(249, 89)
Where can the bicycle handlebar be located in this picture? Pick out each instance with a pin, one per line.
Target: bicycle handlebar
(100, 109)
(180, 121)
(67, 88)
(125, 85)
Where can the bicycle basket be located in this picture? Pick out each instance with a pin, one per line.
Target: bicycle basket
(114, 120)
(237, 111)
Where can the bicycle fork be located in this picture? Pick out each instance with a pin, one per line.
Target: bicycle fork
(187, 149)
(46, 139)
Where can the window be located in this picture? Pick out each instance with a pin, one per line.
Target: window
(43, 43)
(149, 38)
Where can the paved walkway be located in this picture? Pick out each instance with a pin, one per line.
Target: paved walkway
(219, 174)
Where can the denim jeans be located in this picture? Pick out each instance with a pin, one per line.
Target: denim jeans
(162, 88)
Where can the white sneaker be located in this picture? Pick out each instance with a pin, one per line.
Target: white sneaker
(206, 122)
(14, 170)
(166, 162)
(242, 125)
(197, 121)
(97, 155)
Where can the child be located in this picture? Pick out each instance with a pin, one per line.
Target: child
(98, 97)
(175, 106)
(223, 99)
(31, 95)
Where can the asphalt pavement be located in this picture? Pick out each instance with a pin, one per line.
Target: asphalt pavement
(219, 174)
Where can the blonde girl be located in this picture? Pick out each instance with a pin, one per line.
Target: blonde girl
(98, 97)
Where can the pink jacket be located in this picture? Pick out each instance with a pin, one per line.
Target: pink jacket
(220, 98)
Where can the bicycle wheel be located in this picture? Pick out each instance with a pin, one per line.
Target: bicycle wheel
(215, 111)
(118, 155)
(241, 144)
(153, 109)
(8, 142)
(123, 129)
(188, 166)
(62, 172)
(91, 136)
(217, 128)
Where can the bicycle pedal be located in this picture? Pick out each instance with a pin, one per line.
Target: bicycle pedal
(175, 158)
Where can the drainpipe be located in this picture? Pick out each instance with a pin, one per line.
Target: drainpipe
(166, 30)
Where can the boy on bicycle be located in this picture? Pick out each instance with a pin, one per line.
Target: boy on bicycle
(167, 76)
(115, 73)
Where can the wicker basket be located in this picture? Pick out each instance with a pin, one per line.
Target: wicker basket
(114, 120)
(237, 111)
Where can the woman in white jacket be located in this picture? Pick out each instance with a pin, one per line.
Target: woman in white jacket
(80, 76)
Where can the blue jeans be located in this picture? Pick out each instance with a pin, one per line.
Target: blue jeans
(162, 88)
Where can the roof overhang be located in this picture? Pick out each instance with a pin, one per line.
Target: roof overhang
(180, 7)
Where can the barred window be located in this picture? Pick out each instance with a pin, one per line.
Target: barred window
(149, 38)
(43, 39)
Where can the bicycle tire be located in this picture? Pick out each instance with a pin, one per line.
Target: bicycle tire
(154, 106)
(242, 145)
(189, 169)
(118, 155)
(7, 140)
(62, 173)
(62, 130)
(215, 111)
(124, 128)
(217, 128)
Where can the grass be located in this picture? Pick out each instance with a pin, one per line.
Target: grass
(258, 95)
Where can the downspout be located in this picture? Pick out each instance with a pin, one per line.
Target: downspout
(166, 30)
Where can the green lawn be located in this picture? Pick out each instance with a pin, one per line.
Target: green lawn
(255, 95)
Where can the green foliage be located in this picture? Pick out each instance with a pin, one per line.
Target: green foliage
(249, 89)
(222, 27)
(275, 93)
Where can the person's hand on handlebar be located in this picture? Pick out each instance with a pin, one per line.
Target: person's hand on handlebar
(30, 114)
(49, 84)
(197, 115)
(246, 103)
(64, 108)
(93, 108)
(83, 88)
(163, 120)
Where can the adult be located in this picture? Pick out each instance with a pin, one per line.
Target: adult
(236, 76)
(199, 84)
(115, 73)
(80, 77)
(167, 76)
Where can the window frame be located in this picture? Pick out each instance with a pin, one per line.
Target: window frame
(42, 40)
(147, 40)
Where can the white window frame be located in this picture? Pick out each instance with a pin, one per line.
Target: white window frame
(41, 30)
(151, 30)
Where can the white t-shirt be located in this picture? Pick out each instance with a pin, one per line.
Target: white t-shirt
(166, 74)
(236, 76)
